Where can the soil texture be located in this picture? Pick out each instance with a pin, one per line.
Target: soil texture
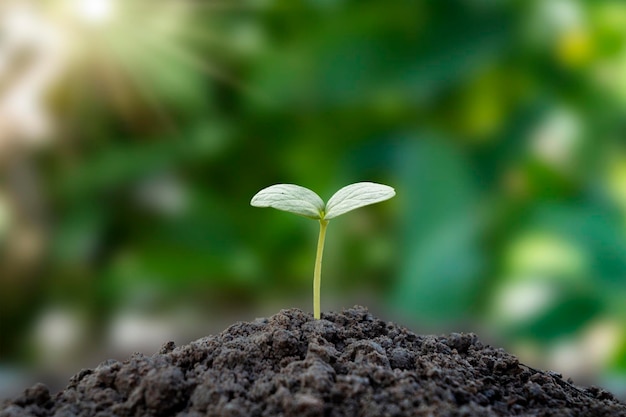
(346, 364)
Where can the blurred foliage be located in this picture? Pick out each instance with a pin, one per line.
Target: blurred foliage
(499, 123)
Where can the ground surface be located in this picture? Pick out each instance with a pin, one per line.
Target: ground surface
(347, 364)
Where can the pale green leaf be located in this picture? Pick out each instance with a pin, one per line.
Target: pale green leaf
(291, 198)
(357, 195)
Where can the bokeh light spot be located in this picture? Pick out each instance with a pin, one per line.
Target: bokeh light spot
(95, 12)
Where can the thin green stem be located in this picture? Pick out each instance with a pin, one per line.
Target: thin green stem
(317, 275)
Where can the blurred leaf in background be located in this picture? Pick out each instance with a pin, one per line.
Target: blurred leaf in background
(134, 133)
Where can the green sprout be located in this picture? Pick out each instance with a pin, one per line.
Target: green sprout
(304, 202)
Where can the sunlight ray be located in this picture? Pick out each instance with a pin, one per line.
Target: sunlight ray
(184, 55)
(143, 89)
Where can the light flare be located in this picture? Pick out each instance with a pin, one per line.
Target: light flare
(95, 12)
(132, 55)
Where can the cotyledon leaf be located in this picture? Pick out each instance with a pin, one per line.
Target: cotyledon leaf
(292, 198)
(356, 195)
(300, 200)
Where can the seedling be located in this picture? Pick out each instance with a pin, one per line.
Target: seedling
(304, 202)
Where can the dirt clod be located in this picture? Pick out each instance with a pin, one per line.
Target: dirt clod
(346, 364)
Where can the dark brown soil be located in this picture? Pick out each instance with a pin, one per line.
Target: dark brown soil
(347, 364)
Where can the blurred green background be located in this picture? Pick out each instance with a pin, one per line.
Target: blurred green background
(134, 133)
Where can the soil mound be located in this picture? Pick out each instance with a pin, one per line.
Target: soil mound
(346, 364)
